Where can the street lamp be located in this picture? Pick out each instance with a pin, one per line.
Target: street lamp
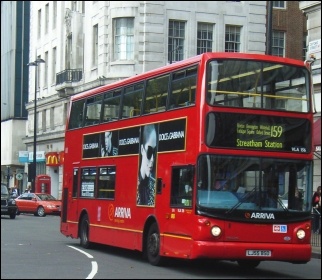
(34, 162)
(8, 177)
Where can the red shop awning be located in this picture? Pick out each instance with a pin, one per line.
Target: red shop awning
(317, 134)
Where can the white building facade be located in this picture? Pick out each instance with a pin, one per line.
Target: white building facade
(312, 10)
(86, 44)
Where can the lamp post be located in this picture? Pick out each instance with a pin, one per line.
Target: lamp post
(8, 177)
(178, 48)
(34, 162)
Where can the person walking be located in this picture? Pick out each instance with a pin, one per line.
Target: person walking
(316, 208)
(28, 189)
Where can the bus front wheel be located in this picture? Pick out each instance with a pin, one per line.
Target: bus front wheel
(84, 232)
(153, 246)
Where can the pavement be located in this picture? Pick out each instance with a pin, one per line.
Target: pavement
(316, 245)
(316, 252)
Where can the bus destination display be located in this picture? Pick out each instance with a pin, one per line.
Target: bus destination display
(258, 132)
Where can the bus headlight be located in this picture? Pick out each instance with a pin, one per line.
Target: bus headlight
(300, 234)
(215, 231)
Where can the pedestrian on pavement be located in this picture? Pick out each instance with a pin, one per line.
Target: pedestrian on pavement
(316, 208)
(28, 189)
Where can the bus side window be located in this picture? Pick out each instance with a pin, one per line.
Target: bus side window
(106, 182)
(93, 110)
(111, 106)
(76, 115)
(156, 95)
(88, 182)
(132, 100)
(181, 186)
(183, 88)
(75, 182)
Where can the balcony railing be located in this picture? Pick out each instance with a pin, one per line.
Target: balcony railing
(69, 76)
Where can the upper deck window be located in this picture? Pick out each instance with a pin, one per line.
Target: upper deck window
(255, 84)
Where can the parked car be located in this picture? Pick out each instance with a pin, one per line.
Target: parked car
(8, 204)
(40, 204)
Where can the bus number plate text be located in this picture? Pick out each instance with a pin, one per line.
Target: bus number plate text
(258, 253)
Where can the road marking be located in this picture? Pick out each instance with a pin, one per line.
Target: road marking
(86, 254)
(94, 263)
(94, 271)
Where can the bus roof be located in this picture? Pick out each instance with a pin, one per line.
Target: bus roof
(184, 63)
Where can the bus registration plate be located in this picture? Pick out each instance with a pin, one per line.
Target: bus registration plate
(258, 253)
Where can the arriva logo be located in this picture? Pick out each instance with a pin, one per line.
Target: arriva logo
(122, 212)
(265, 216)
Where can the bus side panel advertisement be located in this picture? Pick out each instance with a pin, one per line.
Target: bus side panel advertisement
(172, 137)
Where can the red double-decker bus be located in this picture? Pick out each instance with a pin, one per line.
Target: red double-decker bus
(210, 157)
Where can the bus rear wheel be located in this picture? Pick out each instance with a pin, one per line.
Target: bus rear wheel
(246, 264)
(84, 232)
(153, 246)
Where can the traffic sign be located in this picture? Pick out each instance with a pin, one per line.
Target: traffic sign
(19, 176)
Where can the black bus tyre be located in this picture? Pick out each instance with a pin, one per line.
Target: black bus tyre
(41, 211)
(153, 246)
(84, 232)
(247, 264)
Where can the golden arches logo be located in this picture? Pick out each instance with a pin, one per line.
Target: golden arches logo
(52, 160)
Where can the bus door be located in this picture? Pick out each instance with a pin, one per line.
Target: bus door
(70, 201)
(180, 212)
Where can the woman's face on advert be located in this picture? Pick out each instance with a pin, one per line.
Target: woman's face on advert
(148, 153)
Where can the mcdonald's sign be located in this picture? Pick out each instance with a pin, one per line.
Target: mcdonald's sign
(52, 159)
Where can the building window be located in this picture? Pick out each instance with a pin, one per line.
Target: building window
(53, 65)
(279, 4)
(52, 118)
(204, 37)
(83, 7)
(232, 38)
(37, 121)
(124, 39)
(95, 45)
(74, 5)
(176, 40)
(54, 14)
(69, 55)
(43, 121)
(46, 70)
(65, 110)
(304, 47)
(39, 24)
(278, 43)
(38, 74)
(46, 18)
